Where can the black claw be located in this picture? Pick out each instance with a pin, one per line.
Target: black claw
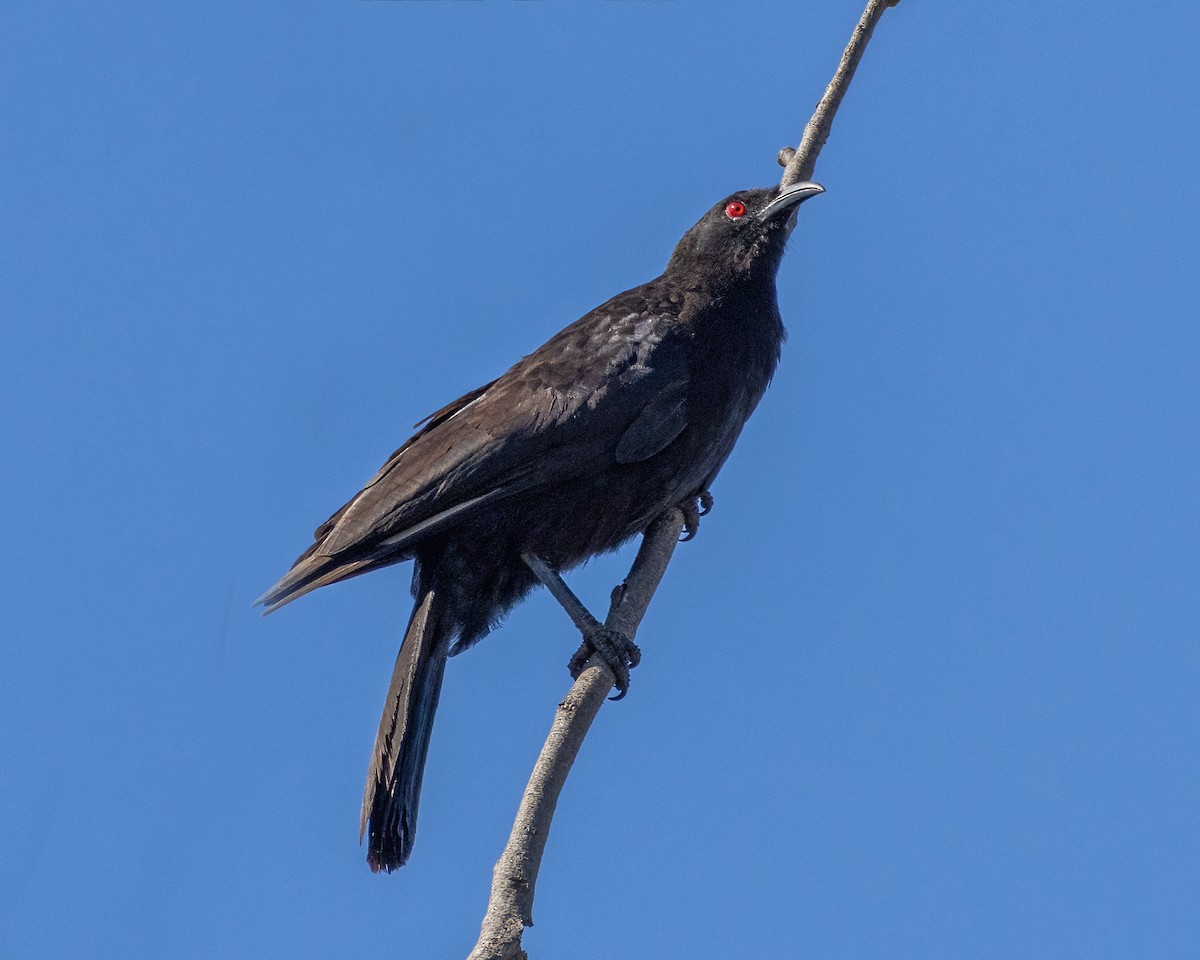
(618, 594)
(579, 659)
(693, 509)
(691, 521)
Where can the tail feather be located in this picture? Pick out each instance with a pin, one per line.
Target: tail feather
(389, 811)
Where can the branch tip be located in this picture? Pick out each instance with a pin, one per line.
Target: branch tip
(803, 162)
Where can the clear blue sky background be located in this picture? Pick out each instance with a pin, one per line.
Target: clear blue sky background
(924, 687)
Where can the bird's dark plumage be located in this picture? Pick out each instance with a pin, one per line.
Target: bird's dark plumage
(578, 447)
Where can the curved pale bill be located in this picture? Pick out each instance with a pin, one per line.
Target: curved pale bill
(790, 196)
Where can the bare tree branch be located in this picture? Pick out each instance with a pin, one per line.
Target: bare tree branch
(510, 907)
(799, 164)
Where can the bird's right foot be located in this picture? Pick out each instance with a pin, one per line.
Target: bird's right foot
(619, 653)
(693, 509)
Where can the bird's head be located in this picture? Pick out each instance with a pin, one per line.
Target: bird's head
(745, 234)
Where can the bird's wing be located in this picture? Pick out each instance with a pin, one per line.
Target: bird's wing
(486, 449)
(562, 412)
(423, 426)
(660, 422)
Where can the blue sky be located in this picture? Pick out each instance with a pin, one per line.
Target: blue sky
(924, 687)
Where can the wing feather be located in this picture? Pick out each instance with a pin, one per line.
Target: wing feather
(609, 389)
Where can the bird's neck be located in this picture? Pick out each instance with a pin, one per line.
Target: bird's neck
(723, 282)
(751, 274)
(732, 319)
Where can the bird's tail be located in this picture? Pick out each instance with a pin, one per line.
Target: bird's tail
(389, 811)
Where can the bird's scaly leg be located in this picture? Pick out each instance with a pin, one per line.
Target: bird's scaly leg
(618, 652)
(693, 509)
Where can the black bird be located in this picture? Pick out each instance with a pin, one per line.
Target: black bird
(577, 448)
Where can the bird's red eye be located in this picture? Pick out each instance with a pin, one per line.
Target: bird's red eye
(735, 209)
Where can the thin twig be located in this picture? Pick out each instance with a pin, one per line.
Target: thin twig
(800, 163)
(510, 907)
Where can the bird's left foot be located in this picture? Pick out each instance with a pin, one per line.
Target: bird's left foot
(693, 509)
(619, 653)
